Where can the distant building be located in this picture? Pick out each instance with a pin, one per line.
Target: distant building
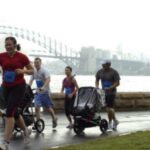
(103, 54)
(87, 60)
(90, 59)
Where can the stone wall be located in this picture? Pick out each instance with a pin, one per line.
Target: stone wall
(124, 101)
(133, 101)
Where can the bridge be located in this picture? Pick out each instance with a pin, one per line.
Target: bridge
(53, 48)
(84, 62)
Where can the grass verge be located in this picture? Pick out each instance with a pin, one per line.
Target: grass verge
(134, 141)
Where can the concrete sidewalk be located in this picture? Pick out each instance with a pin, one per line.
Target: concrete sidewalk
(129, 122)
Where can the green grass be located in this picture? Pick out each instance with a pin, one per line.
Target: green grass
(134, 141)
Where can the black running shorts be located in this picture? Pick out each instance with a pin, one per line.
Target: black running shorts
(110, 100)
(68, 105)
(13, 97)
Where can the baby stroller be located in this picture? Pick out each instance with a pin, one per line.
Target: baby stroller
(26, 110)
(86, 111)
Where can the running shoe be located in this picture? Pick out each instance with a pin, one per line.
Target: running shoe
(4, 146)
(70, 126)
(26, 137)
(54, 123)
(115, 124)
(110, 125)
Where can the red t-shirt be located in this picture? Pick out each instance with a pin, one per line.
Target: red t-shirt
(18, 61)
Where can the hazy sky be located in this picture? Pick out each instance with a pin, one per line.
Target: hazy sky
(101, 23)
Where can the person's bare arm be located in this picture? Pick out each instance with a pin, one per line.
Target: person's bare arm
(46, 83)
(62, 89)
(97, 83)
(31, 82)
(97, 79)
(28, 70)
(76, 87)
(115, 84)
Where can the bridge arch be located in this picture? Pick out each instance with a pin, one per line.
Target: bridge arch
(55, 49)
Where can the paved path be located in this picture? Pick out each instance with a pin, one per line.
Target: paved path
(129, 122)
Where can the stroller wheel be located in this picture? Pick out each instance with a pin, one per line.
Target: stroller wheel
(103, 125)
(78, 130)
(39, 125)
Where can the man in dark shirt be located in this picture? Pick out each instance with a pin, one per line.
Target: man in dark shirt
(110, 79)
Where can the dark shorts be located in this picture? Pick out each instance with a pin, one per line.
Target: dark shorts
(110, 100)
(68, 105)
(13, 97)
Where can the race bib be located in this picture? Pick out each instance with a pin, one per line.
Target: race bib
(106, 84)
(39, 83)
(9, 76)
(68, 91)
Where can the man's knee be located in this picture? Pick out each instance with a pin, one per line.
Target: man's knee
(110, 109)
(50, 109)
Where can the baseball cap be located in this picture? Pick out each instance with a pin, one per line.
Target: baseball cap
(103, 62)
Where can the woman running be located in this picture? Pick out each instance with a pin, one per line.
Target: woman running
(70, 87)
(14, 65)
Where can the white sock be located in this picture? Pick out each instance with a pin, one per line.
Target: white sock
(26, 131)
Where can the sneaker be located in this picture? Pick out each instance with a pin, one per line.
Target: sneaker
(4, 146)
(70, 126)
(54, 123)
(115, 124)
(34, 128)
(110, 125)
(26, 137)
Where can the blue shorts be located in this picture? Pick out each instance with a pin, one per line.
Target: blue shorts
(43, 100)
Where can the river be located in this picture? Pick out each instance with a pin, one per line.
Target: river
(127, 83)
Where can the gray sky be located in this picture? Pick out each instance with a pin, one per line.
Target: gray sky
(101, 23)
